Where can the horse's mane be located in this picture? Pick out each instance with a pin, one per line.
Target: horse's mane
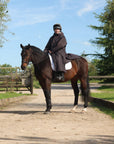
(36, 49)
(39, 55)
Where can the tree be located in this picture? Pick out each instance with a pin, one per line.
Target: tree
(93, 67)
(4, 71)
(105, 65)
(7, 69)
(4, 18)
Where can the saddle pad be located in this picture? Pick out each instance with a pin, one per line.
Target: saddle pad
(68, 65)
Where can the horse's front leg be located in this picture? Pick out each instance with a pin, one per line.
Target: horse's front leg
(47, 94)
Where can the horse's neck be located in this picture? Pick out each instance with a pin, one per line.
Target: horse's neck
(38, 57)
(42, 69)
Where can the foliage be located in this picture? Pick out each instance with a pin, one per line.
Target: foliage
(105, 65)
(6, 69)
(4, 18)
(5, 65)
(36, 84)
(93, 67)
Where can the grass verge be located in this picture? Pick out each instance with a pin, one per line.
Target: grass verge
(103, 109)
(106, 88)
(105, 96)
(11, 94)
(106, 93)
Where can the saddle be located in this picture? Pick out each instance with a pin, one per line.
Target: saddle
(68, 64)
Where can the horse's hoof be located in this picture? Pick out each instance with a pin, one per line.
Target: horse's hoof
(47, 112)
(72, 111)
(84, 110)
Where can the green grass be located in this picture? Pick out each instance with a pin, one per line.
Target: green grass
(10, 94)
(95, 81)
(107, 88)
(36, 84)
(104, 109)
(107, 93)
(105, 96)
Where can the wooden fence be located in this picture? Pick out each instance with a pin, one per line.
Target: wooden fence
(16, 79)
(101, 77)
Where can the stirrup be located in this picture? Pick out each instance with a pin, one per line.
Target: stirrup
(60, 77)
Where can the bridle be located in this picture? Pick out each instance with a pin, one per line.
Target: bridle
(24, 61)
(30, 57)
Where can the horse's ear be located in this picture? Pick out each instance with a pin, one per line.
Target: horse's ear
(28, 44)
(21, 46)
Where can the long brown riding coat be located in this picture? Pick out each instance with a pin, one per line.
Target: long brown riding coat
(57, 44)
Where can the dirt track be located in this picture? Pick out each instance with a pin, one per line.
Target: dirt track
(25, 123)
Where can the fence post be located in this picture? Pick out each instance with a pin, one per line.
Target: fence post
(16, 80)
(11, 88)
(6, 84)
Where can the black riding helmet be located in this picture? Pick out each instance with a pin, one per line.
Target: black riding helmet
(57, 26)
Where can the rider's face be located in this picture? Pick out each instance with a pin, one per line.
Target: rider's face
(57, 31)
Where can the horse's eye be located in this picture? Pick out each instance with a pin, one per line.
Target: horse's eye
(24, 55)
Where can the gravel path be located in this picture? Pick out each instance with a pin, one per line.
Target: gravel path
(25, 123)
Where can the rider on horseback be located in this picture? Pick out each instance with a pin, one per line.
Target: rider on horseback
(56, 47)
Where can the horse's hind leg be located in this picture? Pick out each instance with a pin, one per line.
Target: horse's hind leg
(84, 90)
(76, 94)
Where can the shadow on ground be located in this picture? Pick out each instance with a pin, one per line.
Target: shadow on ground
(68, 86)
(96, 139)
(55, 109)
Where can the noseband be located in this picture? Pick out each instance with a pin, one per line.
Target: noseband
(25, 62)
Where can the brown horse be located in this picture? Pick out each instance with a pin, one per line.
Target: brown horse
(44, 73)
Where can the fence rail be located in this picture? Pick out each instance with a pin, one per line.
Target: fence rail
(101, 77)
(101, 84)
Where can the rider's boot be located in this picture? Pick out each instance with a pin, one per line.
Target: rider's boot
(60, 76)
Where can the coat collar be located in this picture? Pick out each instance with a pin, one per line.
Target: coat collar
(60, 34)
